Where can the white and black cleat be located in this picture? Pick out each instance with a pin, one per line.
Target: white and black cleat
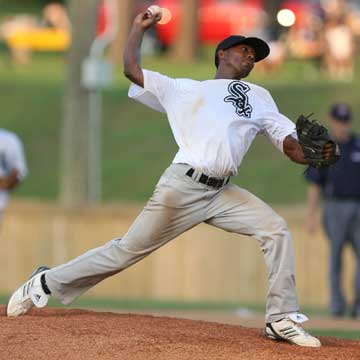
(289, 329)
(29, 294)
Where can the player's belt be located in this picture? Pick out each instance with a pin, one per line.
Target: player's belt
(208, 180)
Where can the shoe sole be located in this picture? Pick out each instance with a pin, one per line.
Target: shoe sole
(37, 271)
(280, 339)
(273, 337)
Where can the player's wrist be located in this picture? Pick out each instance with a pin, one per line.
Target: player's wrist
(142, 22)
(138, 29)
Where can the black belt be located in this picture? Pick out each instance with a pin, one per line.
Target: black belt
(208, 180)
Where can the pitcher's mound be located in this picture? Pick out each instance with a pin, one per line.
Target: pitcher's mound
(77, 334)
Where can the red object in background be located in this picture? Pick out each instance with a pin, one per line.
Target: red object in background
(107, 24)
(217, 19)
(102, 19)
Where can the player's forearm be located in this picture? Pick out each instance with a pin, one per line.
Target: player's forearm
(132, 58)
(293, 150)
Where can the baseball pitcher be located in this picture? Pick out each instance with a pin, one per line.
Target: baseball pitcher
(214, 122)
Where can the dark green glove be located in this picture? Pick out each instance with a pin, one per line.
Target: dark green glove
(313, 137)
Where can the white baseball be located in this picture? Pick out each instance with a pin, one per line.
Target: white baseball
(156, 11)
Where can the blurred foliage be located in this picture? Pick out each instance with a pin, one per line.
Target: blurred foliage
(25, 4)
(12, 7)
(137, 142)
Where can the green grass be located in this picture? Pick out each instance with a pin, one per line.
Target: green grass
(344, 334)
(162, 305)
(11, 7)
(137, 144)
(152, 304)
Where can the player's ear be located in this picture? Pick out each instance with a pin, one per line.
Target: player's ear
(221, 55)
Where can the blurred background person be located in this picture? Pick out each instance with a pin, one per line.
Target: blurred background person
(24, 33)
(304, 39)
(339, 39)
(340, 188)
(353, 18)
(13, 167)
(18, 24)
(339, 51)
(276, 58)
(334, 8)
(55, 16)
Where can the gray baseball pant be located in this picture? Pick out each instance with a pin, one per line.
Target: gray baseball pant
(342, 225)
(178, 204)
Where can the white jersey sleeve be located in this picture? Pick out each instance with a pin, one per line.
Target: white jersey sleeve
(163, 87)
(145, 97)
(157, 92)
(276, 126)
(14, 156)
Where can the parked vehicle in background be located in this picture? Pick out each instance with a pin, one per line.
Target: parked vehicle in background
(217, 19)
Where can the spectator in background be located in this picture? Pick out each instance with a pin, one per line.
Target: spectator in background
(10, 27)
(55, 16)
(339, 48)
(304, 38)
(340, 188)
(24, 33)
(13, 167)
(334, 8)
(340, 27)
(353, 19)
(276, 58)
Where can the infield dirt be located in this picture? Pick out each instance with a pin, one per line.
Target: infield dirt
(79, 334)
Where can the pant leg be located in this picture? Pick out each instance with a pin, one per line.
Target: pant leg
(335, 225)
(177, 205)
(237, 210)
(354, 237)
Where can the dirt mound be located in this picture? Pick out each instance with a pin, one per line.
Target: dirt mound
(78, 334)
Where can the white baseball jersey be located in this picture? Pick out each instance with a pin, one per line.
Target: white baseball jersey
(11, 157)
(214, 121)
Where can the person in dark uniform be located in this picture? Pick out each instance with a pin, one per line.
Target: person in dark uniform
(340, 189)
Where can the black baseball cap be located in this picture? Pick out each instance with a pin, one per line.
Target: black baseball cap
(341, 112)
(260, 47)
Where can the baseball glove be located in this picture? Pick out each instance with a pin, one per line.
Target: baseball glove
(319, 150)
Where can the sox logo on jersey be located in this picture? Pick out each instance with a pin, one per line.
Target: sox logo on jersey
(239, 99)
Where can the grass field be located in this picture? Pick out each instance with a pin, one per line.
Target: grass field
(138, 305)
(345, 334)
(137, 142)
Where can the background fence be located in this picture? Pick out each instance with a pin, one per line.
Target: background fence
(204, 264)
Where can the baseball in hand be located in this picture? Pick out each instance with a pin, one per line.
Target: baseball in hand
(155, 11)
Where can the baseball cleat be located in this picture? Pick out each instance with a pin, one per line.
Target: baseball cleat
(290, 330)
(28, 294)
